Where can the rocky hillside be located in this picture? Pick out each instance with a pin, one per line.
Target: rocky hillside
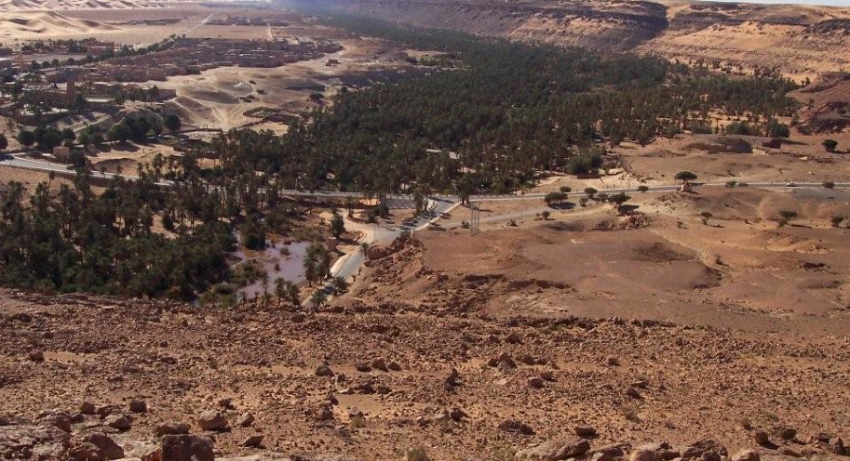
(87, 378)
(804, 41)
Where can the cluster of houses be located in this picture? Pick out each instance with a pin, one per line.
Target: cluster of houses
(247, 21)
(191, 56)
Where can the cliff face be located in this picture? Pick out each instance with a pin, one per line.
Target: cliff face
(802, 41)
(599, 25)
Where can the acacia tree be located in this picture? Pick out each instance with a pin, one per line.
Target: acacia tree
(686, 176)
(786, 216)
(830, 145)
(619, 200)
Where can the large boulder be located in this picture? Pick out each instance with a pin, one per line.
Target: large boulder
(707, 450)
(172, 428)
(517, 427)
(213, 421)
(118, 421)
(186, 448)
(652, 452)
(746, 455)
(58, 418)
(44, 442)
(556, 450)
(95, 447)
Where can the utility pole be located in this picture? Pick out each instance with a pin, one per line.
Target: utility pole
(475, 222)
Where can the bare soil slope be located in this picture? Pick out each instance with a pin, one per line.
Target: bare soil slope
(801, 40)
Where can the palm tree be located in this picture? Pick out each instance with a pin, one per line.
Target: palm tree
(292, 294)
(280, 290)
(319, 299)
(340, 285)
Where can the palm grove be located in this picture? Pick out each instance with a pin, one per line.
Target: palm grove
(490, 115)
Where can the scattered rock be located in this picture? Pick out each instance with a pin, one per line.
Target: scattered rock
(599, 456)
(706, 450)
(836, 445)
(535, 382)
(138, 406)
(645, 453)
(118, 421)
(56, 418)
(87, 408)
(614, 451)
(556, 450)
(762, 439)
(324, 370)
(394, 366)
(585, 431)
(245, 420)
(513, 338)
(253, 441)
(786, 451)
(36, 356)
(380, 364)
(362, 367)
(506, 364)
(323, 413)
(212, 420)
(633, 393)
(456, 414)
(510, 425)
(22, 441)
(788, 433)
(451, 381)
(106, 447)
(746, 455)
(172, 428)
(226, 403)
(187, 448)
(612, 361)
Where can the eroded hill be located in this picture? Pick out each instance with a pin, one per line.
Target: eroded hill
(803, 41)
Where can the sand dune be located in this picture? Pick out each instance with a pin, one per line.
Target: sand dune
(49, 5)
(33, 5)
(38, 24)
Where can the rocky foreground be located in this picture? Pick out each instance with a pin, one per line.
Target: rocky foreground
(94, 379)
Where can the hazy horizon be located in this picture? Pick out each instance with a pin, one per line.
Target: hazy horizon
(845, 3)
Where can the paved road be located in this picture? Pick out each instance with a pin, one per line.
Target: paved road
(201, 24)
(348, 266)
(19, 161)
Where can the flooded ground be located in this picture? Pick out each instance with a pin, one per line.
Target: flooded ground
(278, 261)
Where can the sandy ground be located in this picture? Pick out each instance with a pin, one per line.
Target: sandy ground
(216, 98)
(739, 270)
(104, 24)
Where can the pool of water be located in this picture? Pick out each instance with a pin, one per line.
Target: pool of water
(289, 266)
